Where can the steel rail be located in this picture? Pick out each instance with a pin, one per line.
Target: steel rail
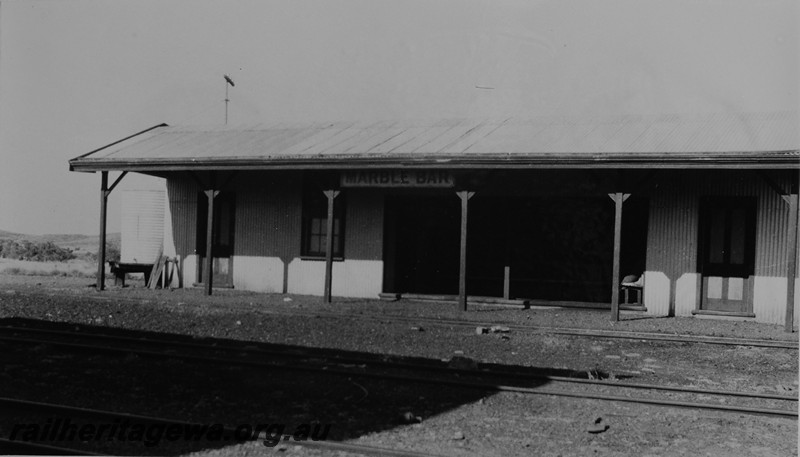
(571, 331)
(16, 447)
(373, 361)
(455, 383)
(229, 430)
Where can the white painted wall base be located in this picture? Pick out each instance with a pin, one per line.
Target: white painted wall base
(769, 300)
(769, 296)
(351, 278)
(258, 274)
(687, 293)
(189, 270)
(656, 293)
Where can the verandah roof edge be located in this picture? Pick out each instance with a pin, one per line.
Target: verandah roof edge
(772, 159)
(83, 156)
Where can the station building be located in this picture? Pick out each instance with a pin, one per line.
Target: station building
(699, 210)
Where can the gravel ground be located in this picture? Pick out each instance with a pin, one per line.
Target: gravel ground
(454, 422)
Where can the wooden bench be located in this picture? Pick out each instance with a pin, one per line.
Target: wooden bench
(119, 270)
(635, 284)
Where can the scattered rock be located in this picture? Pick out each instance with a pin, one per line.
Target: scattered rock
(598, 426)
(459, 435)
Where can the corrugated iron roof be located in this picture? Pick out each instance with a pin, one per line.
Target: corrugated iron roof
(758, 138)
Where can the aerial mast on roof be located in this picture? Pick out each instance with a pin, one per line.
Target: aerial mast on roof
(228, 81)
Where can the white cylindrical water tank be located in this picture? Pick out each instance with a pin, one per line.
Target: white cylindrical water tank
(142, 226)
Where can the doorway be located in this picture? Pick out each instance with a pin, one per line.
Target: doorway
(222, 243)
(422, 244)
(727, 254)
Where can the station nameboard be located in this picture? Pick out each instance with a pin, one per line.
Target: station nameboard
(397, 178)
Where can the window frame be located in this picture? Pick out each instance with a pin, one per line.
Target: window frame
(315, 208)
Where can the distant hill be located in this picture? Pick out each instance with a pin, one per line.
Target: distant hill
(11, 235)
(78, 243)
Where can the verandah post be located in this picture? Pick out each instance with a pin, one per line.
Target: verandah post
(462, 270)
(618, 199)
(791, 272)
(101, 251)
(331, 194)
(507, 266)
(207, 273)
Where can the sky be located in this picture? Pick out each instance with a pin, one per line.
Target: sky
(76, 75)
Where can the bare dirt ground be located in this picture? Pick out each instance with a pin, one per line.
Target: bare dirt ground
(454, 421)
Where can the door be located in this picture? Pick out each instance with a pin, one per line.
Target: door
(222, 245)
(727, 254)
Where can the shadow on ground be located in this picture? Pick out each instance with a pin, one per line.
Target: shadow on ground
(283, 397)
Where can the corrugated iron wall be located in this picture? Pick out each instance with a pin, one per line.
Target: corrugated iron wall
(772, 241)
(268, 227)
(182, 196)
(364, 224)
(674, 215)
(673, 230)
(268, 215)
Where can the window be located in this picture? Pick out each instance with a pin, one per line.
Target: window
(315, 223)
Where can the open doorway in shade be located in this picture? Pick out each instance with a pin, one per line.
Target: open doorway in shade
(421, 249)
(556, 248)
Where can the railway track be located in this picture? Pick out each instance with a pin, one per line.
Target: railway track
(229, 433)
(611, 334)
(569, 331)
(479, 376)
